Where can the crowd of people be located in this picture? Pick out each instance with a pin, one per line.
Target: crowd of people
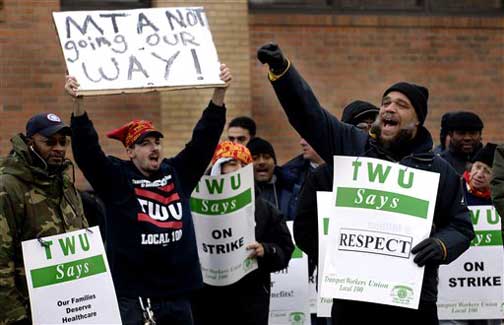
(39, 198)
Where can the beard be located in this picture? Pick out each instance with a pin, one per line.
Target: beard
(399, 142)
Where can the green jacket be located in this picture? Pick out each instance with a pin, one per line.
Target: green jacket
(33, 204)
(497, 183)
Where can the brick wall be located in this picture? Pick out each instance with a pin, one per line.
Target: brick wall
(460, 60)
(230, 30)
(344, 58)
(32, 73)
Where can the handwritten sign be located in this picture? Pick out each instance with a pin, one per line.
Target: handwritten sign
(139, 50)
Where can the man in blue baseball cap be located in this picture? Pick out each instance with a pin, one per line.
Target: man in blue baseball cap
(37, 199)
(46, 137)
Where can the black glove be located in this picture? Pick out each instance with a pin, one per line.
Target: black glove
(272, 55)
(429, 250)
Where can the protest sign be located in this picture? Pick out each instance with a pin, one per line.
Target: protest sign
(471, 286)
(325, 210)
(290, 300)
(138, 50)
(223, 212)
(69, 279)
(382, 210)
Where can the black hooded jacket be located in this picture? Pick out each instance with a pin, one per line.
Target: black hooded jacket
(329, 137)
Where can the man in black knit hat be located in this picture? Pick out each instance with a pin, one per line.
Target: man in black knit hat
(464, 129)
(397, 135)
(275, 185)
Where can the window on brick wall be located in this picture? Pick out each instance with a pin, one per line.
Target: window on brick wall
(103, 5)
(425, 7)
(1, 10)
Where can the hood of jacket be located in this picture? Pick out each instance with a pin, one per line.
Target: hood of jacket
(22, 164)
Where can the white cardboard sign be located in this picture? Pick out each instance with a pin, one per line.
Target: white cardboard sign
(69, 279)
(290, 298)
(471, 286)
(382, 210)
(223, 213)
(138, 50)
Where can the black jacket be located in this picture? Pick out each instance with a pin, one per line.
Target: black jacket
(298, 168)
(330, 137)
(306, 224)
(459, 161)
(247, 301)
(151, 245)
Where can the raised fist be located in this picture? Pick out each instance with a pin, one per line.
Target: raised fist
(273, 56)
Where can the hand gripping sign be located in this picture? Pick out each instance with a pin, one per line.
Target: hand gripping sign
(138, 50)
(69, 279)
(382, 210)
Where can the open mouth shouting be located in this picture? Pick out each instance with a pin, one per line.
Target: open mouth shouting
(154, 159)
(390, 124)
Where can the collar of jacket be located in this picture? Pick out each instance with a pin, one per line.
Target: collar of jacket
(20, 163)
(420, 148)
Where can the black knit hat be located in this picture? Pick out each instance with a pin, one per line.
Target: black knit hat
(464, 121)
(418, 96)
(357, 110)
(486, 154)
(259, 145)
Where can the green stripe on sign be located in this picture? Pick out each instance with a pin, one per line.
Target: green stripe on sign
(297, 253)
(68, 271)
(365, 198)
(487, 238)
(220, 207)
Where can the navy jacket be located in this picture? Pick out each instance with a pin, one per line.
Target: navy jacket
(282, 192)
(151, 244)
(330, 137)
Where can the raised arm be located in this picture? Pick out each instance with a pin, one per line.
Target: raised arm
(319, 128)
(192, 161)
(98, 169)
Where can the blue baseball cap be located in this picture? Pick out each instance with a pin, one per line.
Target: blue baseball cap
(46, 124)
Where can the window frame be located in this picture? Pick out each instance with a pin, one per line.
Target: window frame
(336, 7)
(74, 5)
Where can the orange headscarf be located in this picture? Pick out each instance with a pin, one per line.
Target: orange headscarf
(228, 149)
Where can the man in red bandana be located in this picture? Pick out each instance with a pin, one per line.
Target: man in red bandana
(151, 243)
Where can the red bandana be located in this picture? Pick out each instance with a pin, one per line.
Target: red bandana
(129, 133)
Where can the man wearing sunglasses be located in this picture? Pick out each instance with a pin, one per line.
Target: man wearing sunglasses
(37, 199)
